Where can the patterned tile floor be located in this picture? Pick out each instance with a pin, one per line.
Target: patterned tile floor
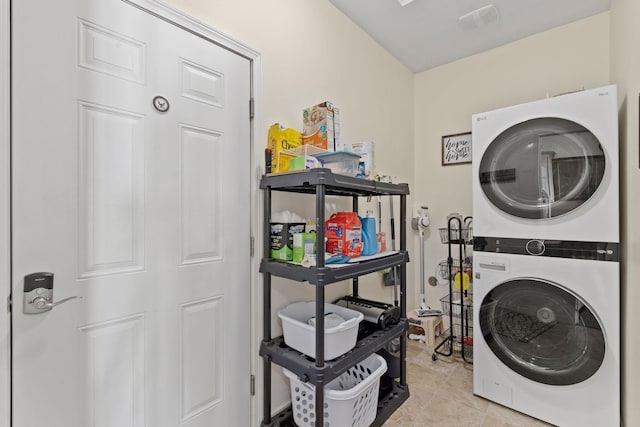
(442, 396)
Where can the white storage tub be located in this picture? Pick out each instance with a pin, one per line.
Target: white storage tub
(301, 336)
(349, 400)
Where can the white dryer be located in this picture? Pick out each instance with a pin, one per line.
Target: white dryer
(548, 169)
(546, 331)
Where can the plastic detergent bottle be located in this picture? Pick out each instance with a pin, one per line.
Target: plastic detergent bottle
(369, 234)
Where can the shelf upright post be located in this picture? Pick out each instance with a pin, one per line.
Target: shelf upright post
(452, 337)
(355, 282)
(464, 318)
(320, 196)
(266, 309)
(403, 287)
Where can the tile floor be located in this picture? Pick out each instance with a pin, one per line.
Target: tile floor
(441, 395)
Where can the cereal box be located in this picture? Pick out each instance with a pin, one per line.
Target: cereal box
(279, 140)
(321, 126)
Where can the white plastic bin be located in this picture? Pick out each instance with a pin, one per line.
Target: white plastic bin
(299, 335)
(349, 400)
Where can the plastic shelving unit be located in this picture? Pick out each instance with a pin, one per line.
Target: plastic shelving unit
(320, 183)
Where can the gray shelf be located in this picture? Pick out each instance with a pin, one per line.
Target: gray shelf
(387, 405)
(336, 185)
(304, 367)
(327, 275)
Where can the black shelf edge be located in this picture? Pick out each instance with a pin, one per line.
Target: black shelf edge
(326, 275)
(336, 185)
(387, 405)
(305, 367)
(283, 418)
(390, 402)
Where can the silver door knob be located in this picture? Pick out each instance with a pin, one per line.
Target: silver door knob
(41, 303)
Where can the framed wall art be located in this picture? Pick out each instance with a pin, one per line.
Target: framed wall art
(456, 149)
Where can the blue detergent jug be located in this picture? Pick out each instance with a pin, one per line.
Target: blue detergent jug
(369, 235)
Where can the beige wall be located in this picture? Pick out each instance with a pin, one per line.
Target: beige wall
(560, 60)
(311, 52)
(625, 71)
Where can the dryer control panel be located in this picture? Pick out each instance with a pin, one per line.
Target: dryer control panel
(595, 251)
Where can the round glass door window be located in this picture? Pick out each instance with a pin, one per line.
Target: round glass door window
(542, 332)
(542, 168)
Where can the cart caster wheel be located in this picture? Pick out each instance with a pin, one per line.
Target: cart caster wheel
(434, 357)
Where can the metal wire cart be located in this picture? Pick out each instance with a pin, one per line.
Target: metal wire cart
(458, 303)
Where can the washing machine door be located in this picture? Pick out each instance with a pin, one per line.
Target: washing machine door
(542, 332)
(542, 168)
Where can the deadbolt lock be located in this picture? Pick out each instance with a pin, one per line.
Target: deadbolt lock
(38, 293)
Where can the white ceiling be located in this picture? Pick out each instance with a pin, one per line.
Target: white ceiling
(427, 33)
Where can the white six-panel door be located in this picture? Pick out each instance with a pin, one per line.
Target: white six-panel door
(142, 213)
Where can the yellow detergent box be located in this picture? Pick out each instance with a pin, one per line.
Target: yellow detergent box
(321, 126)
(281, 139)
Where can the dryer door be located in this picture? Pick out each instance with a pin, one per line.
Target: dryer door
(542, 168)
(542, 332)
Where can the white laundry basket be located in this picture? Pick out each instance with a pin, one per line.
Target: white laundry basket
(349, 400)
(299, 335)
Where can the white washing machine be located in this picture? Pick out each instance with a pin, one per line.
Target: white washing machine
(548, 169)
(546, 332)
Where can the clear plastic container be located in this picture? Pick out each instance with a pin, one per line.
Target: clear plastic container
(340, 162)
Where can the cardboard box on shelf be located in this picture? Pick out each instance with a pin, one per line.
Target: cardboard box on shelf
(279, 140)
(303, 244)
(303, 163)
(321, 126)
(282, 238)
(366, 151)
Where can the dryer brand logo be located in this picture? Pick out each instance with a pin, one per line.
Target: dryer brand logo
(481, 118)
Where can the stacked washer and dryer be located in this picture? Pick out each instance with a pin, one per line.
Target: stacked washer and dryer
(546, 258)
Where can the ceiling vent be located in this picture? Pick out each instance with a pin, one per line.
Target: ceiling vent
(405, 2)
(479, 18)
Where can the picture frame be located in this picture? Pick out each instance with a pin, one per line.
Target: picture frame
(456, 149)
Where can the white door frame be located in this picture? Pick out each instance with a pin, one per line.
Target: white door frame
(5, 224)
(201, 29)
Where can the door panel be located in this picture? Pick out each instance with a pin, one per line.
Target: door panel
(542, 168)
(141, 212)
(111, 205)
(542, 331)
(113, 363)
